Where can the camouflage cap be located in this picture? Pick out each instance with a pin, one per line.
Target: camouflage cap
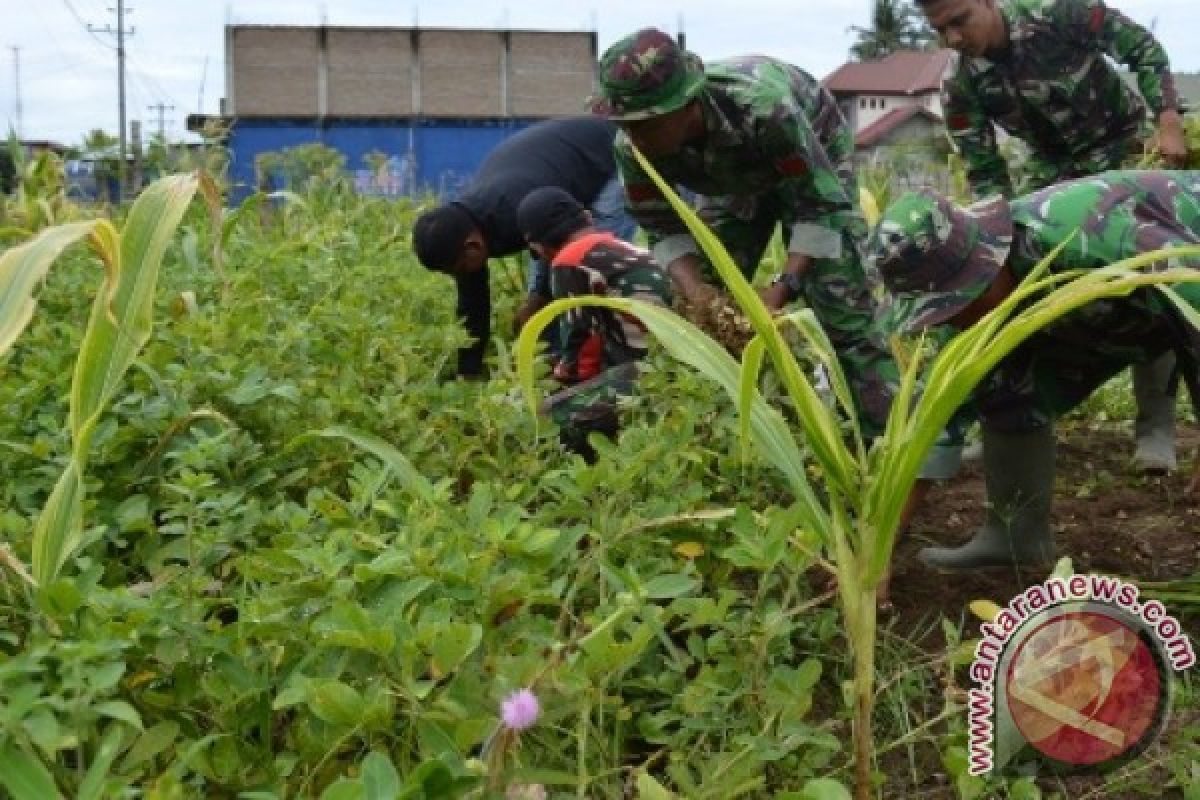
(646, 74)
(935, 257)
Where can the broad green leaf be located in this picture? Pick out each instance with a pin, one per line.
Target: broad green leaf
(824, 789)
(155, 740)
(119, 709)
(24, 776)
(92, 786)
(396, 461)
(23, 267)
(336, 703)
(453, 643)
(344, 789)
(668, 587)
(650, 789)
(379, 778)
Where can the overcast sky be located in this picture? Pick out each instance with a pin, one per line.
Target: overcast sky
(177, 55)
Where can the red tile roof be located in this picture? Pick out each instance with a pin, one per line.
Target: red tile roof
(906, 72)
(889, 122)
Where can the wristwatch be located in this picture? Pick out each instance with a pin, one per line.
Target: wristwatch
(792, 282)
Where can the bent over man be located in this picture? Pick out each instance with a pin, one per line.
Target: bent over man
(599, 346)
(574, 154)
(950, 265)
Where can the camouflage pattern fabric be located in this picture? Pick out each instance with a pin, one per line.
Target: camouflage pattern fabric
(1118, 214)
(595, 339)
(600, 347)
(935, 258)
(1055, 90)
(777, 151)
(646, 74)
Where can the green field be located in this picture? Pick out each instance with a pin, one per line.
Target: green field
(312, 564)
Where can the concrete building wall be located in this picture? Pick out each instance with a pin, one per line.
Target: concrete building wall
(461, 73)
(370, 72)
(387, 72)
(274, 71)
(550, 74)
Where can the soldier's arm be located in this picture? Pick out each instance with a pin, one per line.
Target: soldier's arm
(815, 202)
(974, 136)
(474, 307)
(1113, 33)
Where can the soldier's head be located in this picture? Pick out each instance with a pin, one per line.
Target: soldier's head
(972, 27)
(447, 239)
(943, 264)
(550, 217)
(648, 85)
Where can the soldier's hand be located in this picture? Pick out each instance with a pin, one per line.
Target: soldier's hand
(1171, 142)
(533, 303)
(774, 296)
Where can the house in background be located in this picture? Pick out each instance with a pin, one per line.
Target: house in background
(894, 100)
(894, 105)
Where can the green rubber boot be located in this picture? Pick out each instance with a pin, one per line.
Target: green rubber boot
(1019, 472)
(1154, 425)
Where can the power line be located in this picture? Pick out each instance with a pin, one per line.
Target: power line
(85, 26)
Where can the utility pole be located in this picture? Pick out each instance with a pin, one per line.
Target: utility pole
(203, 79)
(162, 109)
(120, 32)
(17, 81)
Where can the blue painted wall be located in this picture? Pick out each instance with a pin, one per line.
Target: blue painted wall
(426, 155)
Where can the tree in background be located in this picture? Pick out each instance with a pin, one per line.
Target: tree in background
(103, 150)
(895, 25)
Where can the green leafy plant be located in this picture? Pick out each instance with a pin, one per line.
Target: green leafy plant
(855, 510)
(119, 326)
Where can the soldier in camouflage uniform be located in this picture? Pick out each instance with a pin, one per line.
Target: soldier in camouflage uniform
(600, 347)
(948, 265)
(763, 144)
(1037, 69)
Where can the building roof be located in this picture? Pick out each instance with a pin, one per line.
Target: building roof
(889, 122)
(906, 72)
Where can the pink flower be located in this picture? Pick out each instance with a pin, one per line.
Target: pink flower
(520, 710)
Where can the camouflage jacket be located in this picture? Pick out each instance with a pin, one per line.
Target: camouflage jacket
(771, 129)
(1118, 215)
(595, 339)
(1055, 90)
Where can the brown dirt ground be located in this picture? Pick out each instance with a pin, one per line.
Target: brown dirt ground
(1107, 517)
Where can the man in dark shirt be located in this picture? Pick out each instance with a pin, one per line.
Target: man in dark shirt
(574, 154)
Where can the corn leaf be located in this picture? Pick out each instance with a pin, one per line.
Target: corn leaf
(119, 326)
(22, 268)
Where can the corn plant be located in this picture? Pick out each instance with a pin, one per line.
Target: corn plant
(119, 326)
(864, 485)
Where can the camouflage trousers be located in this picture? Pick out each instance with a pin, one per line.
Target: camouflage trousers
(591, 407)
(836, 289)
(1033, 386)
